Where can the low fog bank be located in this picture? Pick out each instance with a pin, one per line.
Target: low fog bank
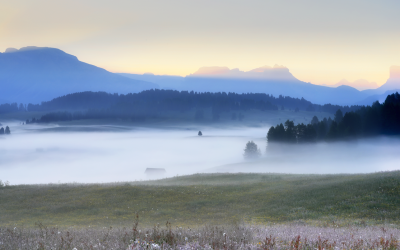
(97, 154)
(359, 156)
(51, 154)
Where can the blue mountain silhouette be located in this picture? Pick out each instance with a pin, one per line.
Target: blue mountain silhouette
(35, 74)
(275, 81)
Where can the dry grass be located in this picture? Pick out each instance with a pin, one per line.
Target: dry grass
(208, 237)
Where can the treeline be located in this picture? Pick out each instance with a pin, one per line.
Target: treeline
(60, 116)
(153, 101)
(13, 107)
(378, 119)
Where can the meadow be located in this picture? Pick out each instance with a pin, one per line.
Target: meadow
(208, 210)
(209, 199)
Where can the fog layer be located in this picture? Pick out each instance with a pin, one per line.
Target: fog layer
(89, 154)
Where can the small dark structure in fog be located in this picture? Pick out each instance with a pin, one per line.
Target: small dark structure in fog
(200, 133)
(152, 173)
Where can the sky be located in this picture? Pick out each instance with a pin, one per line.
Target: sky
(320, 41)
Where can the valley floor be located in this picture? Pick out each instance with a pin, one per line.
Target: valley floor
(209, 199)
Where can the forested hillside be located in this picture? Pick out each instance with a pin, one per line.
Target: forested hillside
(378, 119)
(150, 103)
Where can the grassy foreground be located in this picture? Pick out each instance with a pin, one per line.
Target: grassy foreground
(205, 199)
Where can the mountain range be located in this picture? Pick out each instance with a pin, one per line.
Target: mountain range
(36, 74)
(360, 84)
(33, 75)
(275, 80)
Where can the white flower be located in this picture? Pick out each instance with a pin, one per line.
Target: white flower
(186, 238)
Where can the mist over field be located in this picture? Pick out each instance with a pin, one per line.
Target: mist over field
(91, 154)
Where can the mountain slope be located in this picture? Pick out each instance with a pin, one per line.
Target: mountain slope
(359, 84)
(380, 98)
(276, 81)
(163, 81)
(35, 74)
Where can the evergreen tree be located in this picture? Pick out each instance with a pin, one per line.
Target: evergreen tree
(290, 132)
(7, 131)
(1, 131)
(314, 120)
(200, 133)
(251, 151)
(271, 135)
(338, 116)
(351, 125)
(333, 133)
(322, 130)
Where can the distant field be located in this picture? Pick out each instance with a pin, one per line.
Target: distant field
(202, 199)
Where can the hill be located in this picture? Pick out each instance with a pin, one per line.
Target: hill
(34, 74)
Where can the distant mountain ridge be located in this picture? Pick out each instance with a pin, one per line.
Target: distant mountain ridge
(275, 80)
(277, 72)
(360, 84)
(36, 74)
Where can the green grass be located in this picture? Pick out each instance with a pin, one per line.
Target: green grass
(208, 199)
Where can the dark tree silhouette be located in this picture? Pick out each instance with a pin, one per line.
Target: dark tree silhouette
(290, 132)
(200, 133)
(378, 119)
(251, 151)
(314, 120)
(2, 131)
(333, 132)
(338, 116)
(7, 131)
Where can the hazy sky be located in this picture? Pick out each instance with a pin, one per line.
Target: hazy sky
(319, 41)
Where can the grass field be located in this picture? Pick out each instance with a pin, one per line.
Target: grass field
(209, 199)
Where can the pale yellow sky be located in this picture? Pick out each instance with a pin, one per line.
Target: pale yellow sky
(319, 41)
